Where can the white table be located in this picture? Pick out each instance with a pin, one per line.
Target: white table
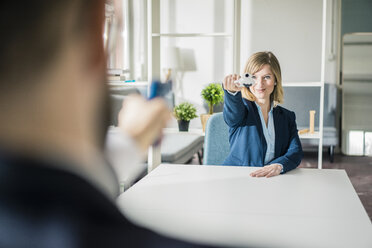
(225, 206)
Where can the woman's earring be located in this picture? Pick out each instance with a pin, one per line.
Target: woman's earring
(274, 83)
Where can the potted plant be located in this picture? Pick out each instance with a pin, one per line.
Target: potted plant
(184, 112)
(212, 94)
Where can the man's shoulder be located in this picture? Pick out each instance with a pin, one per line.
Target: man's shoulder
(42, 206)
(28, 183)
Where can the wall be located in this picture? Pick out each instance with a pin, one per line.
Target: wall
(291, 29)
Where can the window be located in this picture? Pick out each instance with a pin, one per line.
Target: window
(368, 143)
(118, 58)
(359, 143)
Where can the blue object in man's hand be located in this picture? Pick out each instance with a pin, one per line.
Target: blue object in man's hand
(159, 89)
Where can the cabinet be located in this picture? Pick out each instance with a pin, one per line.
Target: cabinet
(357, 94)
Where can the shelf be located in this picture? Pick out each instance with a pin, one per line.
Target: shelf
(198, 131)
(315, 135)
(124, 84)
(302, 84)
(361, 88)
(358, 77)
(358, 39)
(191, 35)
(113, 71)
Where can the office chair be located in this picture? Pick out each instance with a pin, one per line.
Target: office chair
(216, 141)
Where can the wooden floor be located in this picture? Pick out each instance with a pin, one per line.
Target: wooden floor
(359, 170)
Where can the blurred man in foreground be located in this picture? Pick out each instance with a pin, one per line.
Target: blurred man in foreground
(55, 188)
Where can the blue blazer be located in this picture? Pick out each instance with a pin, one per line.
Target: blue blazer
(247, 141)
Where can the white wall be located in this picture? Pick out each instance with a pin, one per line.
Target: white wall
(292, 30)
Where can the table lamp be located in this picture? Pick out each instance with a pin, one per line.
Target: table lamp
(171, 60)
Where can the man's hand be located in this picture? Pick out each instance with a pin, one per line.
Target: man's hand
(228, 83)
(267, 171)
(143, 120)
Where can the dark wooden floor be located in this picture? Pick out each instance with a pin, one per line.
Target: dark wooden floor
(359, 170)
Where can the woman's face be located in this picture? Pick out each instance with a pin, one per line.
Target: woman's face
(264, 85)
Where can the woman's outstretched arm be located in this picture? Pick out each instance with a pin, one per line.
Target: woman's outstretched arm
(234, 111)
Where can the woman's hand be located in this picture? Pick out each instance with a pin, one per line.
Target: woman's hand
(228, 83)
(267, 171)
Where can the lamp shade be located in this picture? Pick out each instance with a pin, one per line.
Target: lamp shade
(188, 59)
(171, 58)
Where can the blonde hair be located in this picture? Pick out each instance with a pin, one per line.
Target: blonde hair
(254, 64)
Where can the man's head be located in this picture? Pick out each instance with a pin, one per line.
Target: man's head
(52, 70)
(34, 33)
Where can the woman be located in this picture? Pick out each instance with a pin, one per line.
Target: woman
(261, 132)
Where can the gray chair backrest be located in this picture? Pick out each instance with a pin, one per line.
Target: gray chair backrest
(216, 142)
(117, 95)
(116, 102)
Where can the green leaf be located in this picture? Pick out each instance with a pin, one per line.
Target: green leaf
(213, 94)
(185, 111)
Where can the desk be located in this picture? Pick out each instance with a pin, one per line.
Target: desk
(224, 205)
